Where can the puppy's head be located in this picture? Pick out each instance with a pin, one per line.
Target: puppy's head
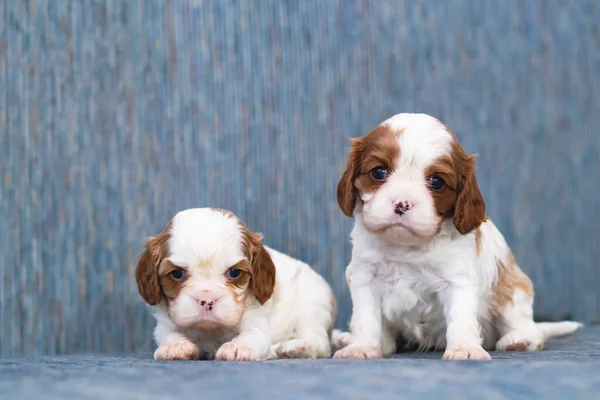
(206, 267)
(406, 177)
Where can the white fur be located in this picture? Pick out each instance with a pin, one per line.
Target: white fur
(295, 322)
(432, 289)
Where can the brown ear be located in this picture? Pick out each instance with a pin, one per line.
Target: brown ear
(347, 193)
(262, 281)
(146, 272)
(469, 211)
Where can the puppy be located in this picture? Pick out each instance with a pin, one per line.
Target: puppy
(217, 292)
(428, 267)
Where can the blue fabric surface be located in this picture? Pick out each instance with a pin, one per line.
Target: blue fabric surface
(568, 369)
(116, 114)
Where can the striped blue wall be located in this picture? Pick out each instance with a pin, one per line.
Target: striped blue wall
(116, 114)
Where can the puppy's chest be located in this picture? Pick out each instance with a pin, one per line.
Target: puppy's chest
(410, 296)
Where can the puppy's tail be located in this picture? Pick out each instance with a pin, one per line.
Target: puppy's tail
(553, 329)
(340, 339)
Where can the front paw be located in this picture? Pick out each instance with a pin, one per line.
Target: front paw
(466, 353)
(231, 351)
(300, 348)
(179, 350)
(357, 351)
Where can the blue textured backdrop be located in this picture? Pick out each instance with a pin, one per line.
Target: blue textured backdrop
(114, 115)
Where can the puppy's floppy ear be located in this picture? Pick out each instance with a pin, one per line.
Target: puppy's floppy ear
(262, 281)
(346, 191)
(469, 211)
(146, 271)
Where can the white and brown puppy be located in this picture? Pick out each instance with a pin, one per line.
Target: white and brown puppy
(217, 292)
(428, 267)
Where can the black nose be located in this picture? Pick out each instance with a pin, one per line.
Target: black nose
(398, 211)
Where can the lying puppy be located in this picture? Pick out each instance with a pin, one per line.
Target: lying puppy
(217, 292)
(428, 267)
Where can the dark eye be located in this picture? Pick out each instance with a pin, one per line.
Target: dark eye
(379, 173)
(178, 274)
(233, 273)
(436, 183)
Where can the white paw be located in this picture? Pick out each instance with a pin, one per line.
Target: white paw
(357, 351)
(518, 341)
(179, 350)
(466, 353)
(231, 351)
(340, 339)
(299, 348)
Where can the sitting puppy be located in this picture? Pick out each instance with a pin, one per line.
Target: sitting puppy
(428, 267)
(217, 292)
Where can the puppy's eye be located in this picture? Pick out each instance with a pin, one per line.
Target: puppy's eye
(379, 173)
(233, 273)
(178, 274)
(436, 183)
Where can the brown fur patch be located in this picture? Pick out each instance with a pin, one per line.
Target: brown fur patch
(510, 278)
(227, 213)
(146, 272)
(445, 198)
(379, 148)
(460, 197)
(170, 286)
(241, 282)
(469, 211)
(239, 286)
(262, 280)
